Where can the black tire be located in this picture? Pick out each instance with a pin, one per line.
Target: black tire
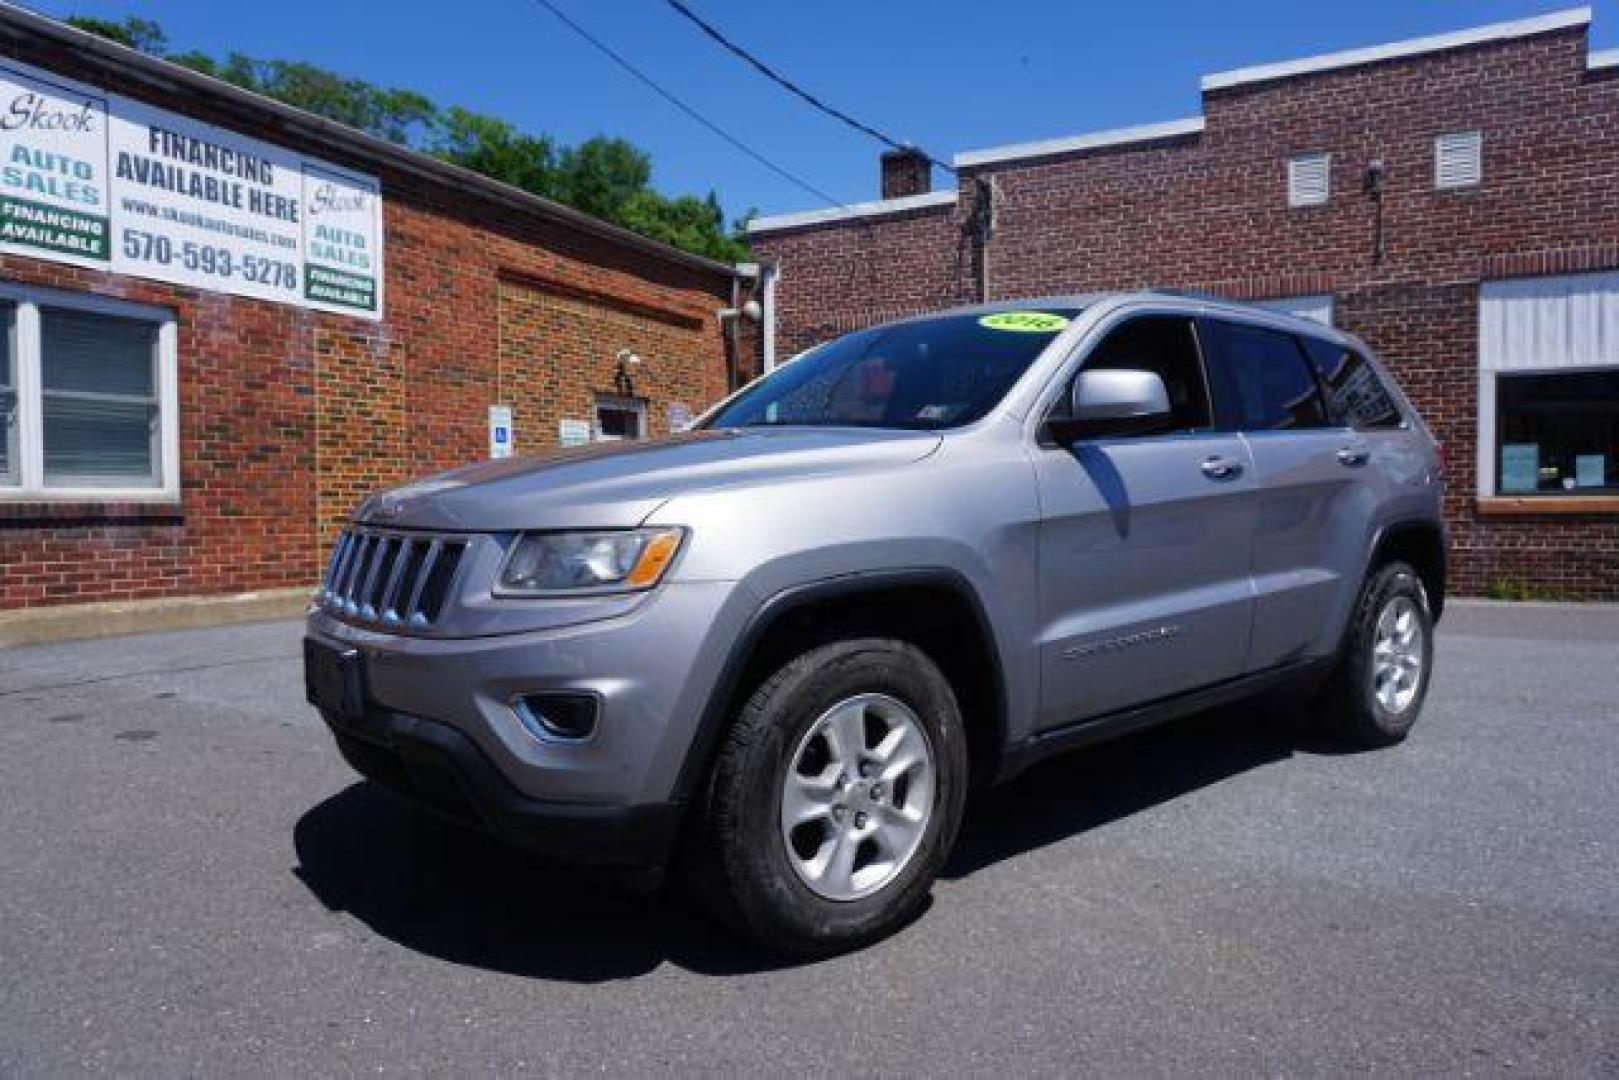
(1347, 705)
(739, 862)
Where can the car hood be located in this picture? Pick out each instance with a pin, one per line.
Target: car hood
(619, 484)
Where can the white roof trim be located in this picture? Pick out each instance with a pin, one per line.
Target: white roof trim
(1556, 20)
(854, 210)
(1167, 129)
(1607, 58)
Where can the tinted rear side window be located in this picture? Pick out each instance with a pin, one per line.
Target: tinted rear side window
(1355, 395)
(1263, 380)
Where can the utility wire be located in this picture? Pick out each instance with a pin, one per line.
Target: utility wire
(667, 95)
(793, 88)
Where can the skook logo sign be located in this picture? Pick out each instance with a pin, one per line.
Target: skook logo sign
(104, 181)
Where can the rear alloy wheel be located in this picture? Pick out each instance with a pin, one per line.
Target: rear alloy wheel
(1399, 654)
(1376, 692)
(835, 798)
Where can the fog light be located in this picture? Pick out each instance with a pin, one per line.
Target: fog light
(558, 716)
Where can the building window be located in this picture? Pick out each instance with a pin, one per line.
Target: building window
(1309, 179)
(620, 418)
(87, 398)
(1558, 434)
(1549, 386)
(1458, 159)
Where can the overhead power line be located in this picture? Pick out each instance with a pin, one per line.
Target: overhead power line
(669, 96)
(793, 88)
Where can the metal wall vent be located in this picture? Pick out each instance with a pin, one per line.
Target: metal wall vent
(1309, 179)
(1458, 159)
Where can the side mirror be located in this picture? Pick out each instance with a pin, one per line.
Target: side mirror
(1114, 402)
(1119, 395)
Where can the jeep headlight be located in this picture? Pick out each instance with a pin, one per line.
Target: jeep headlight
(563, 562)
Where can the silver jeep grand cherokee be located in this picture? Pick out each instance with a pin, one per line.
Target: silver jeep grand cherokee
(776, 650)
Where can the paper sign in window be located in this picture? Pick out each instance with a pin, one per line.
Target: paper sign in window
(1520, 467)
(1591, 470)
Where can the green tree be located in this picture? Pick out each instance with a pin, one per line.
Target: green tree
(601, 175)
(605, 177)
(687, 222)
(142, 34)
(491, 146)
(401, 116)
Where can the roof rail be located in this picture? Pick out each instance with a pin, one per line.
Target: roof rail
(1191, 294)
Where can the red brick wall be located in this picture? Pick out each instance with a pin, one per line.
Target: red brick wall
(288, 417)
(1210, 211)
(559, 351)
(842, 278)
(905, 172)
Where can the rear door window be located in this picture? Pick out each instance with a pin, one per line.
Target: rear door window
(1263, 381)
(1356, 396)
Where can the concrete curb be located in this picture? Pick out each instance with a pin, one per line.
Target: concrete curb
(1513, 605)
(71, 622)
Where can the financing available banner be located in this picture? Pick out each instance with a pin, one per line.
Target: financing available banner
(104, 181)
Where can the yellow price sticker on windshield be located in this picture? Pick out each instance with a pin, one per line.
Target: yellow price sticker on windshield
(1026, 322)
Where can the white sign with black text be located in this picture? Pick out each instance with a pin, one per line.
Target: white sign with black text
(104, 181)
(573, 432)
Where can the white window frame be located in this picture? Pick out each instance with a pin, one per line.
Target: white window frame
(31, 404)
(621, 403)
(1492, 368)
(1489, 452)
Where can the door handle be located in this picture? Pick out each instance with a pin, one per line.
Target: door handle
(1219, 468)
(1353, 456)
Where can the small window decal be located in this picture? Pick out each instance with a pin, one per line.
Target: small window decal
(1026, 322)
(1309, 179)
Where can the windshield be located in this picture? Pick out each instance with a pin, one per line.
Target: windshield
(928, 374)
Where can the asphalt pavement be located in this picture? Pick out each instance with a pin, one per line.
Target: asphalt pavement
(193, 883)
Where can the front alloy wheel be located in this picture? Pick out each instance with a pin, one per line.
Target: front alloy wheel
(835, 798)
(857, 797)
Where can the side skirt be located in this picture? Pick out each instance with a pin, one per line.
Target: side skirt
(1060, 740)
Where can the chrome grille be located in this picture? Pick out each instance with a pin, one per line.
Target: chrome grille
(397, 579)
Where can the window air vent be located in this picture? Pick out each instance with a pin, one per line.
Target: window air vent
(1308, 179)
(1458, 159)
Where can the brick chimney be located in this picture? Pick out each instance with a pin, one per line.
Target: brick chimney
(906, 172)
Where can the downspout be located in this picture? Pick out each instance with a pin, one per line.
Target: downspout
(731, 344)
(984, 216)
(770, 272)
(731, 318)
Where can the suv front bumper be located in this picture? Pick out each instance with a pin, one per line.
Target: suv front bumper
(435, 765)
(435, 719)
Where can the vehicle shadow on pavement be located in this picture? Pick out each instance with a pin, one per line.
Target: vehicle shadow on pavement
(460, 896)
(1088, 788)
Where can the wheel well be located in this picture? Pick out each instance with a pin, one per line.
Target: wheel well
(940, 619)
(1423, 546)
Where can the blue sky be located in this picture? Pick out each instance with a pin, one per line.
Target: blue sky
(949, 76)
